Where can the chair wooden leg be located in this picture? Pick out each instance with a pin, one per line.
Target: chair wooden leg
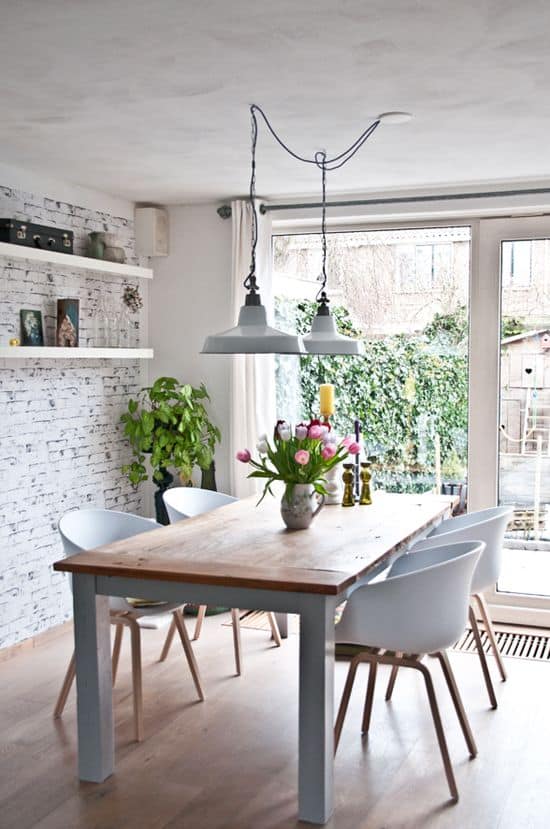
(237, 639)
(439, 731)
(391, 681)
(198, 624)
(71, 673)
(274, 629)
(482, 658)
(344, 702)
(65, 688)
(135, 638)
(457, 701)
(168, 641)
(187, 647)
(487, 621)
(369, 697)
(116, 651)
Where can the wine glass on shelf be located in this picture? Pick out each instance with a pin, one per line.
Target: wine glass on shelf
(100, 324)
(125, 327)
(112, 325)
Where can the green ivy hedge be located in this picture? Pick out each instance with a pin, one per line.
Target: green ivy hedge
(404, 390)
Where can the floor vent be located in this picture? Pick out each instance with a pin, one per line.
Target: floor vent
(510, 643)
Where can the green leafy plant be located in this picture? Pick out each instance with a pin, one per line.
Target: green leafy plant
(453, 467)
(510, 326)
(453, 326)
(169, 422)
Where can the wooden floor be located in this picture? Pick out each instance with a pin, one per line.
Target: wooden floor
(231, 761)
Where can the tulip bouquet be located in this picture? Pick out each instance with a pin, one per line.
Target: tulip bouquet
(304, 457)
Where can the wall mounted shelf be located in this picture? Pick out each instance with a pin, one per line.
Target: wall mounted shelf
(57, 353)
(66, 260)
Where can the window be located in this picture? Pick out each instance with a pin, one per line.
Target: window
(422, 266)
(517, 264)
(410, 390)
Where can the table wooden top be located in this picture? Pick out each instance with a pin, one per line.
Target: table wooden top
(242, 545)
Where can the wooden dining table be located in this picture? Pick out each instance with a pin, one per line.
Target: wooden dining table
(242, 556)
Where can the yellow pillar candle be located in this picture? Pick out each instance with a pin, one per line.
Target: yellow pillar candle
(326, 399)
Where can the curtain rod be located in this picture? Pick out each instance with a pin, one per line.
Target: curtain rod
(224, 212)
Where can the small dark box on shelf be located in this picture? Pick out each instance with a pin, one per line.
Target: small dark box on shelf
(31, 235)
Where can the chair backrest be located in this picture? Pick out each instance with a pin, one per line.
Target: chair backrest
(187, 501)
(85, 529)
(488, 525)
(420, 610)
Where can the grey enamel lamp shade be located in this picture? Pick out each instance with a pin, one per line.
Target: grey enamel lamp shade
(252, 335)
(325, 338)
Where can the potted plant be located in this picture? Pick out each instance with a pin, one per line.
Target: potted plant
(302, 462)
(169, 423)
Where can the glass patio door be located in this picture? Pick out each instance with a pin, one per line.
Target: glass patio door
(511, 347)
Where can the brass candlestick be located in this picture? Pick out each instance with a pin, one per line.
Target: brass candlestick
(365, 498)
(348, 478)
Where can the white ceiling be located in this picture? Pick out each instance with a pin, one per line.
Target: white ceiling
(149, 100)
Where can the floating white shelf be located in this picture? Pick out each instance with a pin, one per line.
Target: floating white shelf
(67, 260)
(37, 352)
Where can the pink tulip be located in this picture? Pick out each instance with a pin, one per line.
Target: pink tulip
(315, 432)
(328, 452)
(347, 440)
(302, 457)
(354, 448)
(243, 455)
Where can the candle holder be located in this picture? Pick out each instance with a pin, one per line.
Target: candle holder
(348, 478)
(365, 497)
(333, 478)
(334, 486)
(357, 478)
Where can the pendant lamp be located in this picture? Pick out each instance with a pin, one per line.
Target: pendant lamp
(324, 337)
(252, 334)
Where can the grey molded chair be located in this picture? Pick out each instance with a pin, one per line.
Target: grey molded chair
(404, 617)
(186, 502)
(85, 529)
(488, 525)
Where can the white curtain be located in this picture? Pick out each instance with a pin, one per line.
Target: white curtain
(252, 377)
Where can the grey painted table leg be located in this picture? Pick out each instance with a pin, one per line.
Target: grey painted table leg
(93, 681)
(316, 742)
(282, 621)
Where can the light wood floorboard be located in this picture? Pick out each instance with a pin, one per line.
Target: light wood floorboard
(230, 762)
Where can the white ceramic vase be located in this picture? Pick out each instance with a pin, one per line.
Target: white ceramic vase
(303, 506)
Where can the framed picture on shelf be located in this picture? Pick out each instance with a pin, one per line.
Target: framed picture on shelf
(66, 332)
(32, 330)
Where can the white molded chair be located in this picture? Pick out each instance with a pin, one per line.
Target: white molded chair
(186, 502)
(85, 529)
(402, 618)
(488, 525)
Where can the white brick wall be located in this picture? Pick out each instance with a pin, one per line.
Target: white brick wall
(61, 444)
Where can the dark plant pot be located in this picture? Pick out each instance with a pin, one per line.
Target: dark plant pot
(208, 478)
(163, 485)
(459, 488)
